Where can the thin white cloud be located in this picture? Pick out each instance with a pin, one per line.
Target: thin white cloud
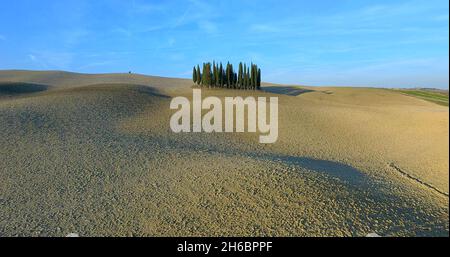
(51, 59)
(32, 57)
(171, 17)
(207, 26)
(75, 36)
(181, 19)
(195, 14)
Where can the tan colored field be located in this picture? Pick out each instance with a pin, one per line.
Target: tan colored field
(94, 155)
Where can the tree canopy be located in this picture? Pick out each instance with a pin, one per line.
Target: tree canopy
(215, 76)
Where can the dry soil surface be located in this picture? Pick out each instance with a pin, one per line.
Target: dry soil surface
(94, 155)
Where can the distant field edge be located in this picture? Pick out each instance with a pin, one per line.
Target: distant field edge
(434, 96)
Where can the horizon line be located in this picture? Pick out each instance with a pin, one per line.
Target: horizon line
(264, 82)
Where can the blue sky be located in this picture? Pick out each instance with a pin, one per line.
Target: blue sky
(354, 43)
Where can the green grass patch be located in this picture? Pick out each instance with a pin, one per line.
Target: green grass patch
(437, 97)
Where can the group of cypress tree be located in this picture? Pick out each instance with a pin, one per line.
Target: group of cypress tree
(215, 76)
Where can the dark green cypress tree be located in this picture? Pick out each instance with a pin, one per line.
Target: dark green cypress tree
(244, 79)
(227, 72)
(203, 75)
(219, 79)
(208, 68)
(231, 76)
(245, 76)
(224, 78)
(235, 80)
(254, 76)
(240, 76)
(194, 75)
(258, 84)
(248, 78)
(213, 81)
(216, 77)
(205, 78)
(213, 77)
(251, 75)
(221, 75)
(199, 75)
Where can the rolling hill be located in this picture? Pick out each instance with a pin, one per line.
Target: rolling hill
(93, 154)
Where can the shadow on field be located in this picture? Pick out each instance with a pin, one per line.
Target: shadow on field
(18, 88)
(341, 171)
(116, 87)
(286, 90)
(337, 170)
(150, 91)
